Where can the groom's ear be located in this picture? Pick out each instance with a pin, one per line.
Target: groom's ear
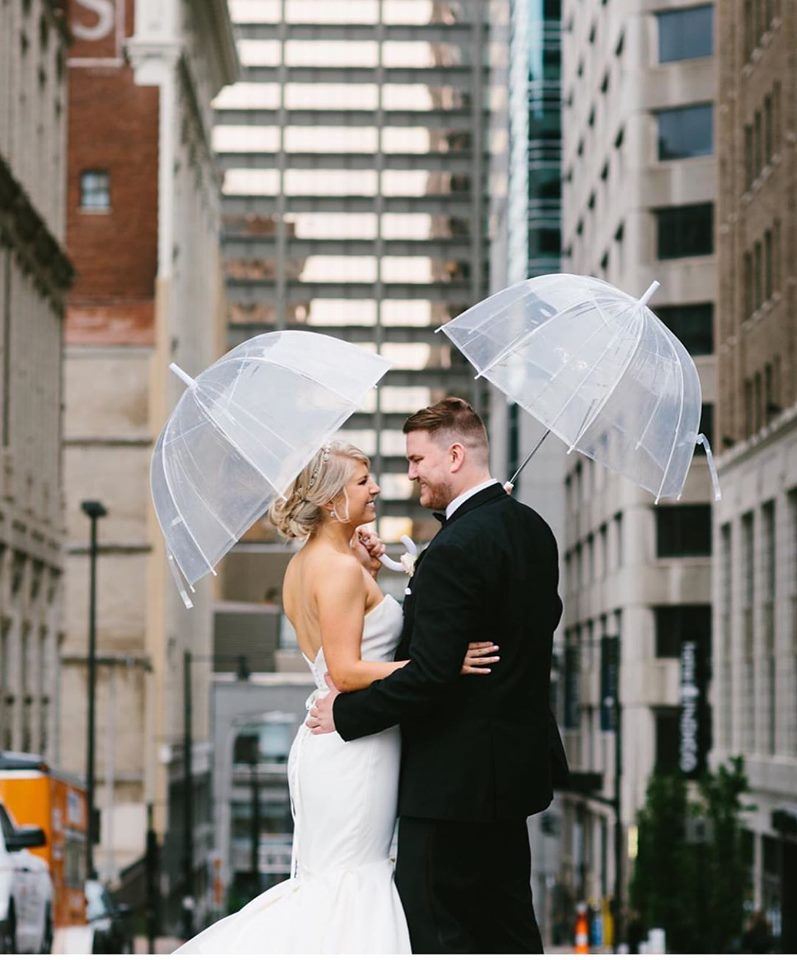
(456, 453)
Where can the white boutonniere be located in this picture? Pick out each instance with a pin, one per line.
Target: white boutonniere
(407, 561)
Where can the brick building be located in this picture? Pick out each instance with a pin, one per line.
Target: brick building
(755, 525)
(143, 218)
(34, 277)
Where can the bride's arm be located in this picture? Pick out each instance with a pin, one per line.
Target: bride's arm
(341, 603)
(341, 615)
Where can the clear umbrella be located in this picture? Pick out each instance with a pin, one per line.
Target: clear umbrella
(242, 432)
(597, 368)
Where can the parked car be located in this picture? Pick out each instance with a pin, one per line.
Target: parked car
(26, 890)
(108, 920)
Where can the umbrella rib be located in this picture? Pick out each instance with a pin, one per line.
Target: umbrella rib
(587, 424)
(248, 459)
(518, 340)
(179, 511)
(531, 333)
(677, 426)
(639, 442)
(307, 376)
(202, 499)
(521, 283)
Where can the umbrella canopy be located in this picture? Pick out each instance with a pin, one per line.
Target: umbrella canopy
(598, 368)
(242, 432)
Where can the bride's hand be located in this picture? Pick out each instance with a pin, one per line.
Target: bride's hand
(368, 548)
(478, 657)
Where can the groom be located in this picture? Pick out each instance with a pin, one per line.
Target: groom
(478, 752)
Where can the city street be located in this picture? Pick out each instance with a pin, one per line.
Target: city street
(286, 276)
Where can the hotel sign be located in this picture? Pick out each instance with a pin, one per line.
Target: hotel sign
(695, 721)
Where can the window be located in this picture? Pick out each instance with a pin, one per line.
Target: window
(748, 155)
(693, 324)
(686, 231)
(706, 425)
(748, 284)
(757, 276)
(725, 648)
(685, 132)
(768, 129)
(95, 191)
(747, 717)
(678, 623)
(768, 281)
(685, 34)
(758, 145)
(683, 531)
(771, 407)
(571, 683)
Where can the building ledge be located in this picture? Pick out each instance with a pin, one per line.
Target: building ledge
(22, 227)
(745, 450)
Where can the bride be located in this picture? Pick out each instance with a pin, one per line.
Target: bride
(340, 897)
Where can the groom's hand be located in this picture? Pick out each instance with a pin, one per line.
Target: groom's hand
(321, 719)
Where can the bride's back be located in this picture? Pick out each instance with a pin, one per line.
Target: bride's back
(314, 561)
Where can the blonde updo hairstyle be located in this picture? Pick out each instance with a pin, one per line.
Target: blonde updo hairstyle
(322, 480)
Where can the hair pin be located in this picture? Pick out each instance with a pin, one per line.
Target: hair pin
(324, 457)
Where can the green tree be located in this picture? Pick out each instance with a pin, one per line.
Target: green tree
(721, 796)
(689, 882)
(663, 884)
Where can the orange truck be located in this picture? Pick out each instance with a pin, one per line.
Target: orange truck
(35, 794)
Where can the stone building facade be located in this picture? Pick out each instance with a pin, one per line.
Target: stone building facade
(755, 525)
(639, 182)
(34, 276)
(143, 230)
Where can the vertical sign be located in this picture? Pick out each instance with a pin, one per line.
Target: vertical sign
(609, 648)
(694, 724)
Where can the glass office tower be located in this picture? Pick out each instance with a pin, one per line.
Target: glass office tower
(354, 166)
(525, 211)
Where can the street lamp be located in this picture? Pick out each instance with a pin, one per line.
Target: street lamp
(242, 673)
(93, 510)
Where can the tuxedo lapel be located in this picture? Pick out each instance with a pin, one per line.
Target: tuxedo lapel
(493, 492)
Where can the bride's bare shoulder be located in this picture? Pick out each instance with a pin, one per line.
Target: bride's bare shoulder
(322, 561)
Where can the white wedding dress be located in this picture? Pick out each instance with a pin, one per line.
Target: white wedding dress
(341, 897)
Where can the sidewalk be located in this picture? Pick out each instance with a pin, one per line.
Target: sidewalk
(162, 944)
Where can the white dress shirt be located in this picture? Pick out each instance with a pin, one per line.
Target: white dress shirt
(457, 502)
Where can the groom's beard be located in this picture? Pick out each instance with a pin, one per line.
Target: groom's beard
(435, 496)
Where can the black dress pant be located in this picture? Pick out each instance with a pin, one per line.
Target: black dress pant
(465, 887)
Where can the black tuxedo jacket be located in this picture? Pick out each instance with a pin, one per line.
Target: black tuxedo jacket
(482, 747)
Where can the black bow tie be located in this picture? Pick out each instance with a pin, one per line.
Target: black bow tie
(440, 517)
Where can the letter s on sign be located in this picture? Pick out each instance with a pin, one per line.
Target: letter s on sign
(104, 10)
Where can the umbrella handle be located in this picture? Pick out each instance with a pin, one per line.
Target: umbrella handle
(396, 565)
(702, 439)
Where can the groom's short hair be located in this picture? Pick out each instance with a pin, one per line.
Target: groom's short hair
(453, 417)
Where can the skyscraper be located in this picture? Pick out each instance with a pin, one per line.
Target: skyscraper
(755, 525)
(638, 205)
(525, 212)
(354, 158)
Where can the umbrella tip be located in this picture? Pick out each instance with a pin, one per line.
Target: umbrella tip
(189, 381)
(649, 292)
